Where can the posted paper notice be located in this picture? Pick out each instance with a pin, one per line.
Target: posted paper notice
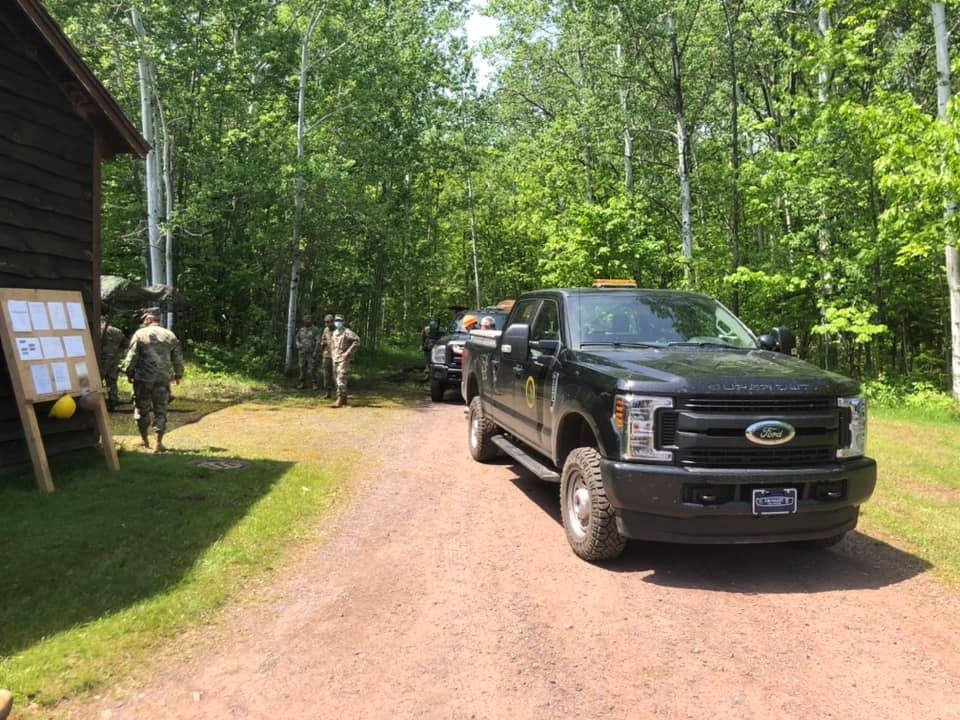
(78, 320)
(19, 316)
(58, 315)
(38, 315)
(41, 379)
(74, 345)
(52, 348)
(61, 377)
(29, 348)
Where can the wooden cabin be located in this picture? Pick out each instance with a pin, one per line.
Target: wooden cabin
(57, 123)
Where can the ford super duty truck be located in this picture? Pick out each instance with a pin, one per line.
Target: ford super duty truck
(663, 417)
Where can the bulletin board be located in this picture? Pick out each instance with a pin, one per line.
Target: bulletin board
(49, 350)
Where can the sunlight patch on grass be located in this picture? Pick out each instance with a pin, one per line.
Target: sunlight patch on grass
(918, 488)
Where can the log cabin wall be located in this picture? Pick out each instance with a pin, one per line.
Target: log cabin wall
(47, 217)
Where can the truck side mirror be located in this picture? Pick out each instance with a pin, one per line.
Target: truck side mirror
(516, 342)
(780, 339)
(785, 339)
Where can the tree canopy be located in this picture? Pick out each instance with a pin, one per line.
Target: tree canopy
(783, 155)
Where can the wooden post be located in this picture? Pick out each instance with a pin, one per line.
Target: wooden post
(34, 440)
(106, 436)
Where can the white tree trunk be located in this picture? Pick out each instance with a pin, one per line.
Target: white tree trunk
(473, 235)
(294, 298)
(152, 171)
(952, 254)
(686, 223)
(168, 239)
(625, 111)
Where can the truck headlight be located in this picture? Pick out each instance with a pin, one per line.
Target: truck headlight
(856, 444)
(438, 356)
(634, 418)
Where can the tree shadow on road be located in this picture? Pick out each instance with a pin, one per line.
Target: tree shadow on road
(859, 562)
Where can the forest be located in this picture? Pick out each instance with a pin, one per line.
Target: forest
(797, 159)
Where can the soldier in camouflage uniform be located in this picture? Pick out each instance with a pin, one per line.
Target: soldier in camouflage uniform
(344, 344)
(308, 343)
(112, 344)
(153, 361)
(326, 352)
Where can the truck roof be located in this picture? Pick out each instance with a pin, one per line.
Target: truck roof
(610, 291)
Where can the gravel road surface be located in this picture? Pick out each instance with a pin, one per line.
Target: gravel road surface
(447, 590)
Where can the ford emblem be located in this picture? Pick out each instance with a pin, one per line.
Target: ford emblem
(770, 432)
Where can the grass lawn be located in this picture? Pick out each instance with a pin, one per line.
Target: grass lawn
(917, 501)
(98, 574)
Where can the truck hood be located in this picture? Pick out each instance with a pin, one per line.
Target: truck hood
(712, 370)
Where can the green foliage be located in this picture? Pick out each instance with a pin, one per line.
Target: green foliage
(841, 178)
(919, 395)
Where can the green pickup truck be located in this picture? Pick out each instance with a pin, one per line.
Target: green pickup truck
(662, 417)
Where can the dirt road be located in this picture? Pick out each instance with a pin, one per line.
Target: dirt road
(448, 591)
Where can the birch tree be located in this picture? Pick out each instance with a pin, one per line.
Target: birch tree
(952, 253)
(147, 79)
(300, 185)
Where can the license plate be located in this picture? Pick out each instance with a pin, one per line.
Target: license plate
(774, 501)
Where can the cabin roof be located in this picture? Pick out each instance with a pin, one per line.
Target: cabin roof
(90, 98)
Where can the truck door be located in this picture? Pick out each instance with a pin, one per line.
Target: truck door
(508, 377)
(539, 369)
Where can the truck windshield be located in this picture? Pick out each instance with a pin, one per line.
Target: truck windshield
(659, 319)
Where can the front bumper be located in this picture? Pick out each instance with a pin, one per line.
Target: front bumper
(652, 502)
(445, 374)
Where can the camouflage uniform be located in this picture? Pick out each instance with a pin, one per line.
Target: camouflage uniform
(153, 360)
(325, 347)
(344, 344)
(112, 344)
(308, 342)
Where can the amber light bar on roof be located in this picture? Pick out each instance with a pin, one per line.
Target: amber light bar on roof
(614, 283)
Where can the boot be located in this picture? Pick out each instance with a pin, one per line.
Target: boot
(340, 402)
(328, 394)
(302, 385)
(160, 446)
(143, 425)
(6, 703)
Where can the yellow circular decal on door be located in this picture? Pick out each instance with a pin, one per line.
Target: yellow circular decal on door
(531, 392)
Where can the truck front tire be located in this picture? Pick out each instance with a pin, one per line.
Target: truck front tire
(480, 431)
(436, 390)
(588, 518)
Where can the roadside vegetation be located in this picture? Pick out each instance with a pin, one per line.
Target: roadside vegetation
(915, 438)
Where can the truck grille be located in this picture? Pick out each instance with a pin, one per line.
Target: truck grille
(711, 432)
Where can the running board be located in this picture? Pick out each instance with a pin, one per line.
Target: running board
(540, 470)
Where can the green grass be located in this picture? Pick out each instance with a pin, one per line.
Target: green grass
(918, 490)
(110, 563)
(97, 575)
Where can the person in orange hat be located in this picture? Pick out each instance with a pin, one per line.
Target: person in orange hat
(469, 322)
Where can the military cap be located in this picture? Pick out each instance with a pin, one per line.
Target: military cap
(328, 318)
(308, 318)
(338, 317)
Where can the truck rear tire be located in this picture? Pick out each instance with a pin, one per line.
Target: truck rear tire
(436, 391)
(480, 431)
(588, 518)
